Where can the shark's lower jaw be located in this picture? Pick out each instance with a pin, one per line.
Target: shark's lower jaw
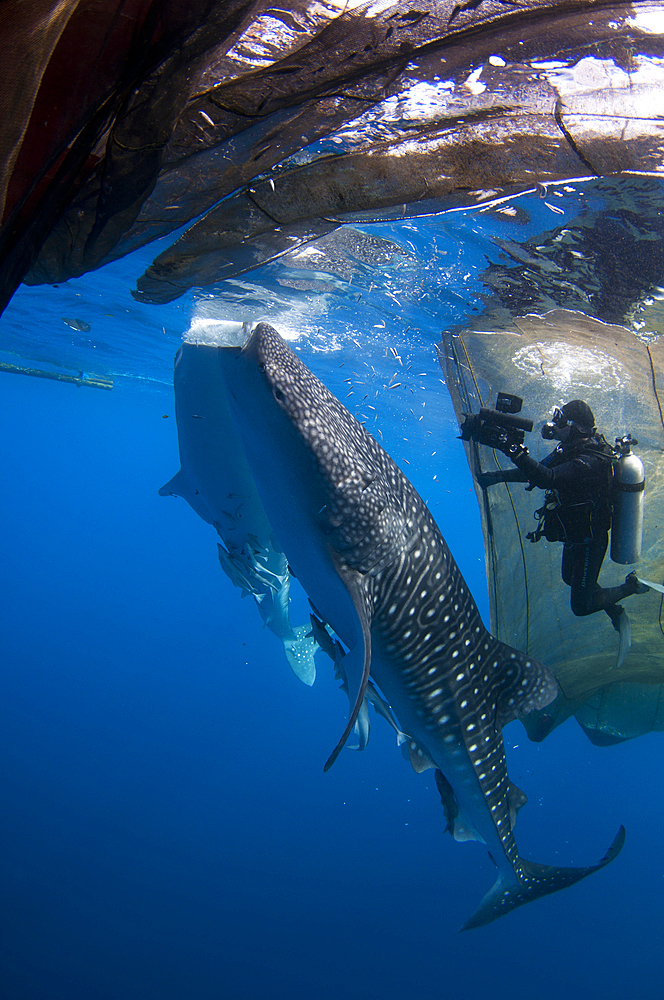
(379, 572)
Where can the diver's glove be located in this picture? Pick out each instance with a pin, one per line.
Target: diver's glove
(503, 441)
(486, 479)
(518, 453)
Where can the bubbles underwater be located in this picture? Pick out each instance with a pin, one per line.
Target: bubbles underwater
(168, 831)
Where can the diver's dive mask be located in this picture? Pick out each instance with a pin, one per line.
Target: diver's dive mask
(558, 428)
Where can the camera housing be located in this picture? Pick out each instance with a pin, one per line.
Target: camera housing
(500, 427)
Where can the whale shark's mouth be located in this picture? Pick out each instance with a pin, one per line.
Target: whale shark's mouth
(217, 333)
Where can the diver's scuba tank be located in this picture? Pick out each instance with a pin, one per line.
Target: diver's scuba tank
(629, 483)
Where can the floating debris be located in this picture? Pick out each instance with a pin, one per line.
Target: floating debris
(77, 324)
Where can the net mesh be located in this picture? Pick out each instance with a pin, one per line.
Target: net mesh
(548, 359)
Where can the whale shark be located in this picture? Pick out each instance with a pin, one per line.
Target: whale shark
(379, 573)
(216, 481)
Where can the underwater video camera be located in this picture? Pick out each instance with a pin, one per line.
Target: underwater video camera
(497, 428)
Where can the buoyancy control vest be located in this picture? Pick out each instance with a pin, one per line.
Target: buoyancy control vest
(580, 506)
(611, 498)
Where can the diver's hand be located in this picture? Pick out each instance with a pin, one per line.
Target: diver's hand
(505, 442)
(486, 479)
(516, 452)
(496, 437)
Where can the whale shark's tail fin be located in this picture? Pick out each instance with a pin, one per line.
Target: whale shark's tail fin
(535, 881)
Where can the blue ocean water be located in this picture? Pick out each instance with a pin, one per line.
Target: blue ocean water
(167, 828)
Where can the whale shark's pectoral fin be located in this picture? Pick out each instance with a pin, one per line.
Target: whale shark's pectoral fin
(300, 654)
(182, 486)
(249, 570)
(534, 881)
(175, 487)
(357, 661)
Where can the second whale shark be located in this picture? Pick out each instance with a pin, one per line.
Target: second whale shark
(378, 571)
(215, 480)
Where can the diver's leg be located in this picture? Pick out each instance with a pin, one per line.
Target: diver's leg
(587, 596)
(583, 575)
(607, 597)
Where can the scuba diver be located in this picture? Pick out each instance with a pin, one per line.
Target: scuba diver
(577, 476)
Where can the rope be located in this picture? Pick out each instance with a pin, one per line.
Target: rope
(96, 381)
(487, 510)
(654, 386)
(525, 568)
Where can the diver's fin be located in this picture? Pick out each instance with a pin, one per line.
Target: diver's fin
(537, 880)
(300, 654)
(625, 631)
(650, 585)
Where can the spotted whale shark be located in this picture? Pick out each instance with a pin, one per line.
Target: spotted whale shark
(215, 480)
(378, 571)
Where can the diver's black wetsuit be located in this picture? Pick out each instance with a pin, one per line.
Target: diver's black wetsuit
(579, 471)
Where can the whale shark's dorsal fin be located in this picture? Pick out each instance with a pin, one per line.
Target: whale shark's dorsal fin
(357, 661)
(525, 685)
